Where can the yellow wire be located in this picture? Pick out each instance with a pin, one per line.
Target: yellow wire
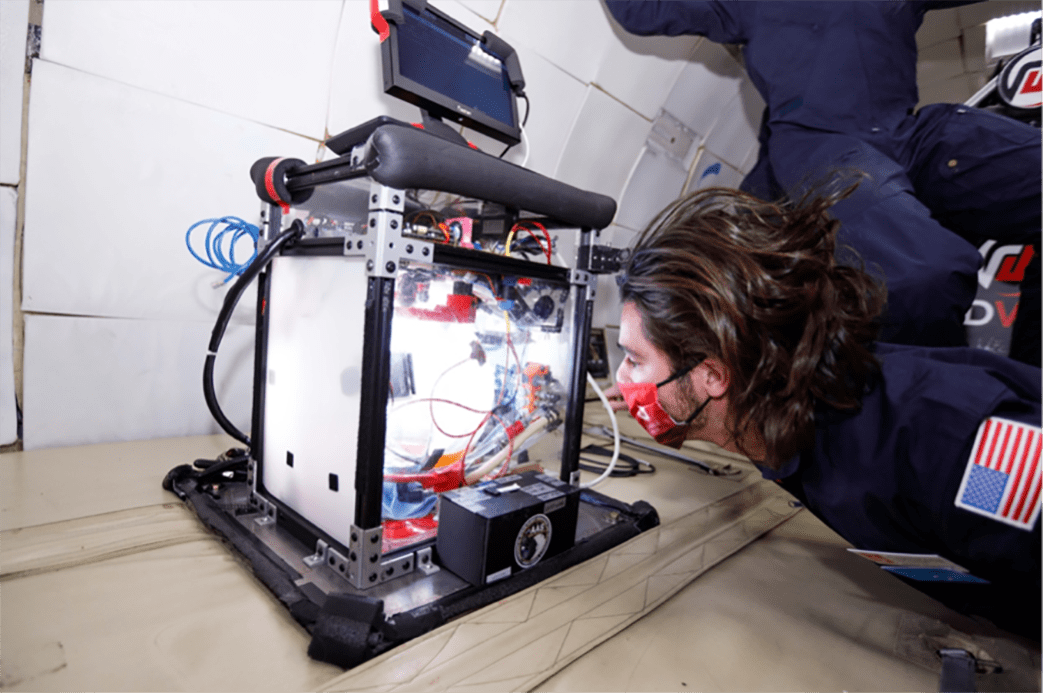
(508, 244)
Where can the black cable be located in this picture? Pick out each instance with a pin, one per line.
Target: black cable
(526, 117)
(296, 230)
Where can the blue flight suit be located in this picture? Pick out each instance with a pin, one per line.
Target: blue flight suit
(886, 477)
(839, 82)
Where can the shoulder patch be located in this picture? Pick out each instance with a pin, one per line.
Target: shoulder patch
(1002, 478)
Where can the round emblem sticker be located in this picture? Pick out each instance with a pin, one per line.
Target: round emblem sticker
(1020, 81)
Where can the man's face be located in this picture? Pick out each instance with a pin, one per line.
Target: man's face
(644, 362)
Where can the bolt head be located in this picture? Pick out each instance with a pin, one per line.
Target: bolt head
(390, 267)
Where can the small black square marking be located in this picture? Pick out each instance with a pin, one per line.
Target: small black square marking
(333, 481)
(290, 459)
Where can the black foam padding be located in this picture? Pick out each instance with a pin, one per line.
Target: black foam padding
(279, 180)
(339, 640)
(408, 158)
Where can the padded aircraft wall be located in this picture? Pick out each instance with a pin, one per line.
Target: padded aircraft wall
(144, 117)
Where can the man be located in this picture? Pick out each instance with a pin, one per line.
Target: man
(839, 82)
(739, 327)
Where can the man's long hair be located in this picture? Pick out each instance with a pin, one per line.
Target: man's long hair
(720, 273)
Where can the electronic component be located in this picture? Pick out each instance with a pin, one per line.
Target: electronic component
(489, 533)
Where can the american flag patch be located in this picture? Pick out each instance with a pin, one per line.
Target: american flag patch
(1003, 476)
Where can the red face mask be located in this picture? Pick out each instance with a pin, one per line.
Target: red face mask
(644, 405)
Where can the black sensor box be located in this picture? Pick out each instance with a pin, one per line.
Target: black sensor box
(488, 533)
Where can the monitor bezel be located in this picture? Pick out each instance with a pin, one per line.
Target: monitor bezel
(436, 104)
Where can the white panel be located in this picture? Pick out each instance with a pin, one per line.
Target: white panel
(952, 90)
(115, 178)
(575, 35)
(267, 61)
(356, 87)
(602, 146)
(315, 356)
(640, 71)
(974, 49)
(940, 62)
(938, 26)
(710, 170)
(8, 412)
(656, 181)
(555, 101)
(487, 9)
(93, 380)
(980, 13)
(736, 134)
(14, 20)
(704, 87)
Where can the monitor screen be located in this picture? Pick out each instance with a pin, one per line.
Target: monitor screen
(434, 62)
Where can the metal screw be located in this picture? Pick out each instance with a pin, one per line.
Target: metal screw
(424, 251)
(374, 539)
(373, 577)
(393, 224)
(359, 244)
(354, 537)
(395, 199)
(406, 566)
(373, 558)
(389, 571)
(373, 198)
(390, 267)
(373, 222)
(352, 556)
(370, 265)
(410, 249)
(424, 559)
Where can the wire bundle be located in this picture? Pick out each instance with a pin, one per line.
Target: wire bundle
(218, 241)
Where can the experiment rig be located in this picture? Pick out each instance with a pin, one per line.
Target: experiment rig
(420, 364)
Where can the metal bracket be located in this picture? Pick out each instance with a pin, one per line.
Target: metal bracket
(363, 567)
(579, 277)
(268, 511)
(423, 561)
(385, 247)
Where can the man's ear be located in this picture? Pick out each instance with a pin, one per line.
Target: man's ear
(711, 377)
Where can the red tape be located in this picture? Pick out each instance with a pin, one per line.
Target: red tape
(378, 22)
(270, 186)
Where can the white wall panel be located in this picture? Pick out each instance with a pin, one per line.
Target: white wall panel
(710, 170)
(602, 149)
(487, 9)
(93, 380)
(735, 134)
(706, 85)
(14, 20)
(581, 38)
(115, 177)
(940, 61)
(8, 413)
(556, 99)
(938, 26)
(656, 181)
(641, 70)
(575, 35)
(265, 61)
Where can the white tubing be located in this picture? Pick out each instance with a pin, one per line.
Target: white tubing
(616, 434)
(491, 464)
